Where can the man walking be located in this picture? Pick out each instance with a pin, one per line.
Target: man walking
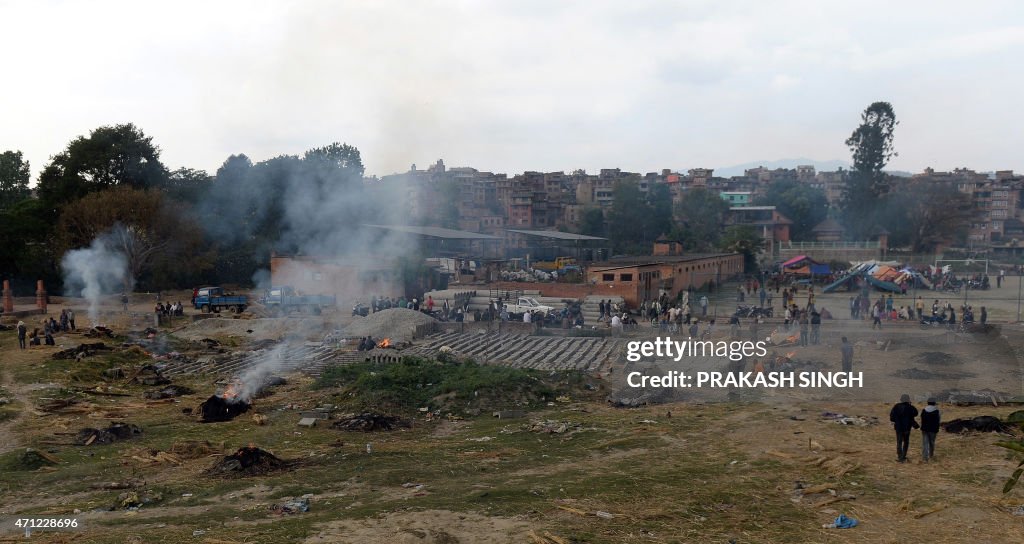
(847, 350)
(815, 328)
(703, 306)
(930, 419)
(22, 331)
(903, 421)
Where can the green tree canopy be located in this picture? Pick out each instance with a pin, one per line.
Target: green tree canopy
(108, 157)
(155, 235)
(743, 239)
(701, 213)
(806, 206)
(592, 222)
(14, 176)
(872, 147)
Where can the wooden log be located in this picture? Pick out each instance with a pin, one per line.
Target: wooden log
(931, 510)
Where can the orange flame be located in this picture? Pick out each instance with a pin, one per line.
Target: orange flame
(231, 392)
(385, 343)
(790, 354)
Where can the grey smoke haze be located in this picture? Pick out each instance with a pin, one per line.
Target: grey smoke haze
(514, 86)
(95, 271)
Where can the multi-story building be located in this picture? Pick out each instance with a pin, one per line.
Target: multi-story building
(996, 200)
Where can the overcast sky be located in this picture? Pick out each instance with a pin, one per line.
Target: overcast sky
(518, 85)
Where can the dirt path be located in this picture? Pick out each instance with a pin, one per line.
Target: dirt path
(8, 438)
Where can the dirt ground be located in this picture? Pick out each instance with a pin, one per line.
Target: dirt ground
(680, 472)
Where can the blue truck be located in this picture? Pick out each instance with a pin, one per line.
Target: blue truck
(214, 299)
(285, 299)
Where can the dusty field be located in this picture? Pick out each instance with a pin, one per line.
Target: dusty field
(682, 472)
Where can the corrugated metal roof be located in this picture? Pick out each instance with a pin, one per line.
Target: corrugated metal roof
(556, 235)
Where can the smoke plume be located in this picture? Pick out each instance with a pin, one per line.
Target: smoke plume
(95, 271)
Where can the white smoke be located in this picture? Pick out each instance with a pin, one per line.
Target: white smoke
(95, 271)
(253, 379)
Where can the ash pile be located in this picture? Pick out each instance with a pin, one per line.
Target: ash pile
(248, 461)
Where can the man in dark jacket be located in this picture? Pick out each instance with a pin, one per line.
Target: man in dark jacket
(903, 420)
(930, 419)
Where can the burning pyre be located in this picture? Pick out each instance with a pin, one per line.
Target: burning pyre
(223, 407)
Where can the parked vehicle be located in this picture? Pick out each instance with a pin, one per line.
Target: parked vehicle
(527, 304)
(285, 299)
(360, 309)
(215, 299)
(561, 264)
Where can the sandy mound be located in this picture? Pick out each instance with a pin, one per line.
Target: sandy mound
(398, 324)
(254, 329)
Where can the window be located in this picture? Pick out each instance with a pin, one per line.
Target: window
(625, 277)
(607, 277)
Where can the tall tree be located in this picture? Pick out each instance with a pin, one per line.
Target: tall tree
(806, 206)
(109, 156)
(872, 147)
(659, 220)
(187, 184)
(628, 219)
(142, 225)
(701, 213)
(745, 240)
(14, 176)
(592, 222)
(923, 215)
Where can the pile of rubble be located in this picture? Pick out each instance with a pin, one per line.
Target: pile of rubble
(249, 461)
(169, 392)
(116, 431)
(369, 422)
(81, 351)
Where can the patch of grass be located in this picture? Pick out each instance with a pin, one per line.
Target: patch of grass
(453, 386)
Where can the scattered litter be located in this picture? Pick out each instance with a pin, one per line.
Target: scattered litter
(481, 439)
(552, 427)
(307, 422)
(842, 522)
(844, 419)
(294, 506)
(605, 515)
(1019, 511)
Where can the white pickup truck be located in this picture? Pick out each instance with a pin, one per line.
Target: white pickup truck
(527, 304)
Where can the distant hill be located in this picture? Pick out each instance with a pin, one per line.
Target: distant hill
(820, 166)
